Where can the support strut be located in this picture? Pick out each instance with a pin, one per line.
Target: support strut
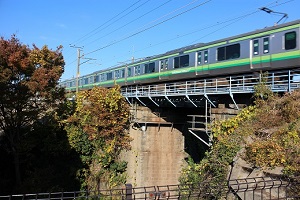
(208, 144)
(170, 101)
(140, 101)
(153, 101)
(187, 96)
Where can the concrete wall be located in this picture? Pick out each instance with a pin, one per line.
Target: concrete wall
(157, 154)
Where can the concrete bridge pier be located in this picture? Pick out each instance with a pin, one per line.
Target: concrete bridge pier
(157, 153)
(162, 142)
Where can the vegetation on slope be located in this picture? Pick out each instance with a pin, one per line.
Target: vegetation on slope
(268, 132)
(98, 131)
(49, 144)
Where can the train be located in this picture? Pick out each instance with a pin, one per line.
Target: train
(267, 49)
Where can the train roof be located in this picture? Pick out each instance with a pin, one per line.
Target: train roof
(199, 45)
(266, 29)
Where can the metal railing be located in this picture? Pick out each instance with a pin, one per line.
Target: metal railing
(281, 81)
(246, 189)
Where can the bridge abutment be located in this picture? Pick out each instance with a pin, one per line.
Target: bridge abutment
(157, 153)
(162, 142)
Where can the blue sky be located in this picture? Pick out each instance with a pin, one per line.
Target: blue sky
(112, 32)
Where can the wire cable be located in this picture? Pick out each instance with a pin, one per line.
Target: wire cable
(131, 21)
(88, 34)
(143, 30)
(230, 21)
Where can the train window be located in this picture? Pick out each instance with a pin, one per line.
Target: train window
(255, 47)
(233, 51)
(163, 64)
(137, 70)
(96, 78)
(149, 67)
(109, 76)
(181, 61)
(221, 53)
(266, 45)
(166, 64)
(228, 52)
(129, 72)
(86, 81)
(122, 74)
(91, 79)
(199, 57)
(102, 77)
(206, 56)
(176, 62)
(290, 40)
(117, 74)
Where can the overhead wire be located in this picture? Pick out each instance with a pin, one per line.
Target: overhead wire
(91, 33)
(173, 11)
(88, 35)
(145, 29)
(233, 20)
(152, 21)
(137, 18)
(230, 21)
(119, 19)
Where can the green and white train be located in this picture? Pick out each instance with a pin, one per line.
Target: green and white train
(268, 49)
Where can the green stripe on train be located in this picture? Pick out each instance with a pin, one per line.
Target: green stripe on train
(226, 64)
(265, 33)
(255, 35)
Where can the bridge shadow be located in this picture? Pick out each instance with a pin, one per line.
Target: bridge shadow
(179, 118)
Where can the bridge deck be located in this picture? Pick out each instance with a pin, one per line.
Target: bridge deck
(281, 81)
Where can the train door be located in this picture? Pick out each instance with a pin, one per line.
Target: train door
(128, 72)
(137, 72)
(202, 66)
(163, 68)
(260, 53)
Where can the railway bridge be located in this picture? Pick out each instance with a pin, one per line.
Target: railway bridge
(171, 121)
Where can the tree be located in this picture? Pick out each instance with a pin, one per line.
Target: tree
(28, 89)
(98, 131)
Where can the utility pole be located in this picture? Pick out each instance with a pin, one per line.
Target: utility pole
(79, 56)
(78, 67)
(77, 74)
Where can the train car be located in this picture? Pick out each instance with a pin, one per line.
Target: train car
(268, 49)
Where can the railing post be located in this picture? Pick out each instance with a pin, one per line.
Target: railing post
(128, 191)
(289, 81)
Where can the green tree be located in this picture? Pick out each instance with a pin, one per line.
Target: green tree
(28, 82)
(98, 131)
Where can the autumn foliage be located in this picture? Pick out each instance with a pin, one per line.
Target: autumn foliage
(28, 90)
(98, 130)
(276, 134)
(265, 135)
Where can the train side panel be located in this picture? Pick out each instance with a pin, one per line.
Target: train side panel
(262, 50)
